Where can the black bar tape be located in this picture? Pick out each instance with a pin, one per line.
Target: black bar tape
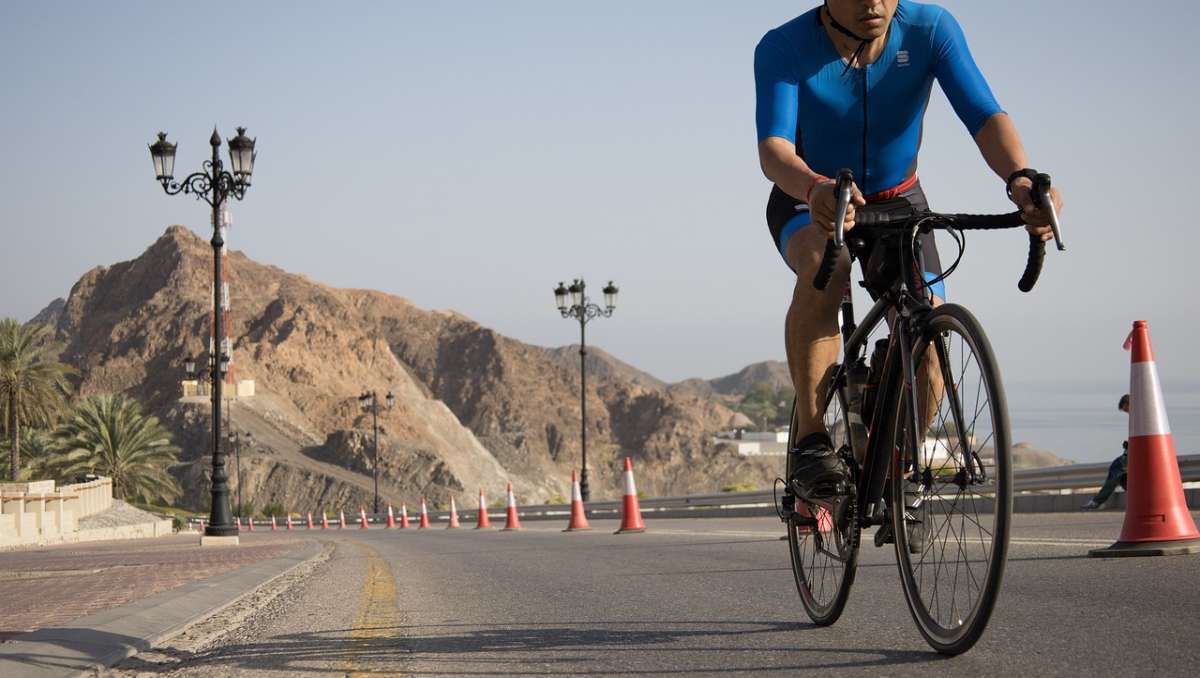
(828, 262)
(1033, 267)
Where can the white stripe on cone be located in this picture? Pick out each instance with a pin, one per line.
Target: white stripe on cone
(1147, 413)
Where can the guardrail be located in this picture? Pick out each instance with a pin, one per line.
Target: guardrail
(1037, 481)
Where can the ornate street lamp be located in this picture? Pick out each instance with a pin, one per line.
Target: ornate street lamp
(214, 186)
(584, 311)
(369, 403)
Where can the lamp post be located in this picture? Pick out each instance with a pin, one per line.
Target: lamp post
(214, 186)
(369, 403)
(236, 438)
(580, 308)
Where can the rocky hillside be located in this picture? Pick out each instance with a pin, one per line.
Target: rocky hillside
(473, 408)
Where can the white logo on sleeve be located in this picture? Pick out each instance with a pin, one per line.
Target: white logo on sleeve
(902, 58)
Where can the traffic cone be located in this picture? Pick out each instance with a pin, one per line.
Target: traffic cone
(273, 526)
(424, 516)
(578, 517)
(251, 519)
(341, 519)
(391, 523)
(514, 521)
(324, 520)
(202, 526)
(289, 521)
(631, 515)
(310, 522)
(238, 519)
(482, 522)
(453, 515)
(362, 513)
(1157, 522)
(404, 516)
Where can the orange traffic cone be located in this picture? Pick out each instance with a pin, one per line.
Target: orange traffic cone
(1157, 522)
(362, 515)
(482, 522)
(289, 521)
(514, 521)
(324, 521)
(631, 515)
(404, 516)
(424, 516)
(578, 517)
(238, 519)
(391, 523)
(251, 519)
(273, 526)
(341, 519)
(202, 526)
(453, 515)
(310, 522)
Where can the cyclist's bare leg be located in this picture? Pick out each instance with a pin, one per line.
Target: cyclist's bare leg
(811, 332)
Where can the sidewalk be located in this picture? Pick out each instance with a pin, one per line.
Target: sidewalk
(70, 607)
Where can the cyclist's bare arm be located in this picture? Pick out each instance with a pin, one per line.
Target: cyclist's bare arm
(1003, 151)
(780, 164)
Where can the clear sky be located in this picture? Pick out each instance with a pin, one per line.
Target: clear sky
(470, 155)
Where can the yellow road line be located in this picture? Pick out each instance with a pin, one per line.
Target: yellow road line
(378, 619)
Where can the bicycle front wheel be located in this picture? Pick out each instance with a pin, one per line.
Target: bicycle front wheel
(824, 538)
(952, 482)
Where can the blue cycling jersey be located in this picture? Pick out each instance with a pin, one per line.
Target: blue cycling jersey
(868, 119)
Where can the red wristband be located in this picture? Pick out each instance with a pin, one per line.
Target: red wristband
(819, 179)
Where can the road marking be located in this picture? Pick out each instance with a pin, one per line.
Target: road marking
(378, 616)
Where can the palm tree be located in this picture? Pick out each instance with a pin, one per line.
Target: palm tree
(32, 383)
(110, 436)
(37, 448)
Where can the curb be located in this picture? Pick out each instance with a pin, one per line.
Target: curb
(95, 642)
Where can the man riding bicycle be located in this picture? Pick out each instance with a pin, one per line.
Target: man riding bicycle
(847, 85)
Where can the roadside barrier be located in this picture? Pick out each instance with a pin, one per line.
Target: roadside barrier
(631, 514)
(482, 522)
(403, 516)
(514, 521)
(424, 516)
(1157, 521)
(391, 523)
(453, 515)
(579, 519)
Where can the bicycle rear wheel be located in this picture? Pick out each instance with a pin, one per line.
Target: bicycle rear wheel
(824, 539)
(952, 484)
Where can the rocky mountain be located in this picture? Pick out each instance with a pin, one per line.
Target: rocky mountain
(473, 408)
(602, 365)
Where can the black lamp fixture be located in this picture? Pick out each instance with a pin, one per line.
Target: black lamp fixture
(214, 186)
(581, 309)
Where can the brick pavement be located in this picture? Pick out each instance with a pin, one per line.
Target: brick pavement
(55, 585)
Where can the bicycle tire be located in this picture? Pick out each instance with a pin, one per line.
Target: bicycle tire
(945, 495)
(822, 581)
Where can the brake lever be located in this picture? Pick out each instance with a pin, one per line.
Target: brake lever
(1043, 199)
(845, 183)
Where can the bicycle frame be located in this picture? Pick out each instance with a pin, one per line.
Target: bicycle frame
(906, 309)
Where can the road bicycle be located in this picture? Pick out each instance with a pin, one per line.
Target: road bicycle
(921, 423)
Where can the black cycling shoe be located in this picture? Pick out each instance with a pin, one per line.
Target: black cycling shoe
(817, 472)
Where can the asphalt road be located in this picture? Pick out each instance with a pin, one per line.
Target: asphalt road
(700, 596)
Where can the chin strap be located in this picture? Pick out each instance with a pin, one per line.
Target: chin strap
(862, 42)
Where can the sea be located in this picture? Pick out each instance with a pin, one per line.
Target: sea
(1080, 420)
